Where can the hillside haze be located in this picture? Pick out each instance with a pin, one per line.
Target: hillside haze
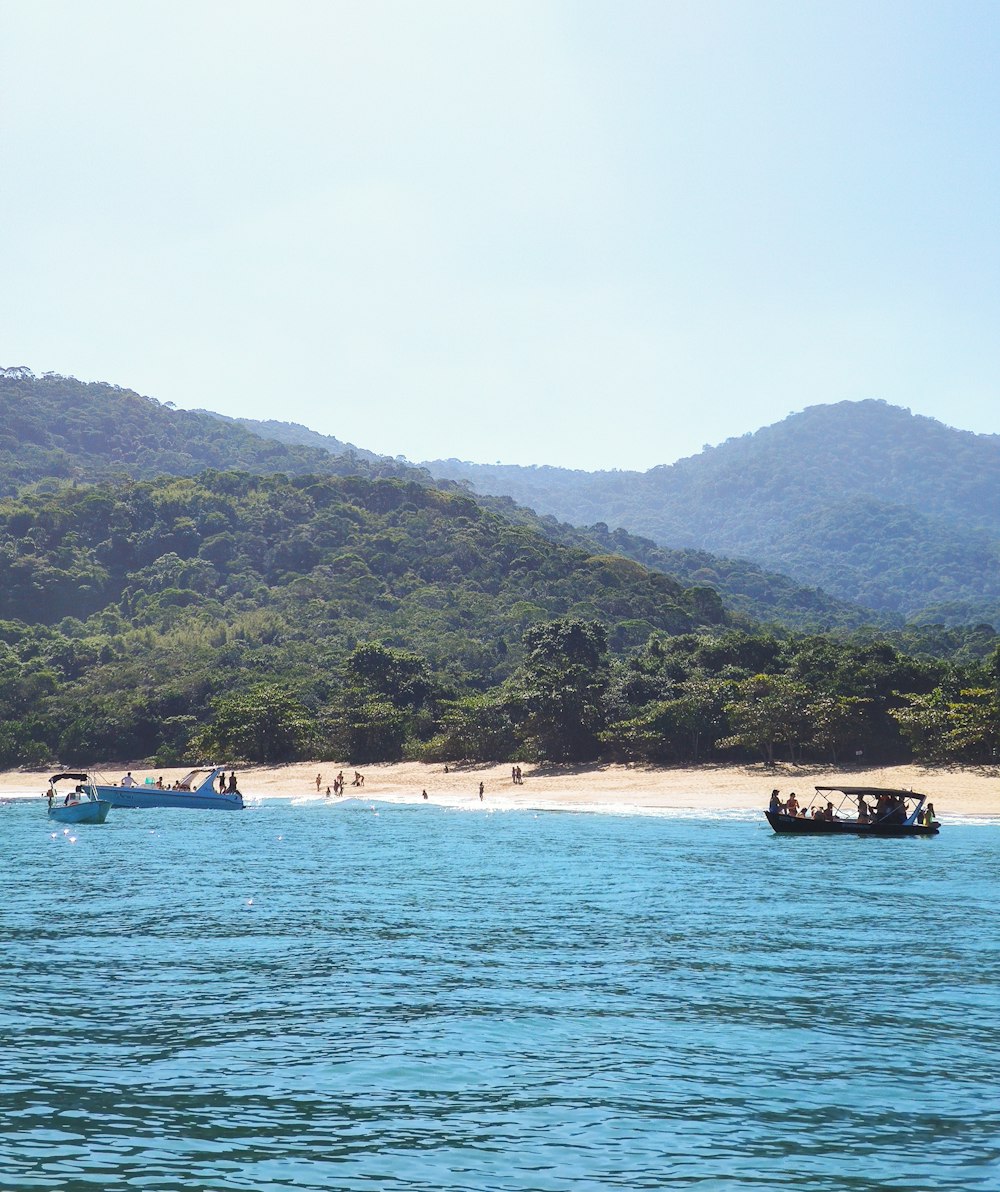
(867, 501)
(175, 587)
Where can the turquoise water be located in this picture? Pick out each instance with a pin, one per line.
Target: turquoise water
(332, 997)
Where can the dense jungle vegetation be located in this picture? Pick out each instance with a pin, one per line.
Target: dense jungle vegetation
(174, 586)
(745, 587)
(54, 426)
(272, 617)
(870, 503)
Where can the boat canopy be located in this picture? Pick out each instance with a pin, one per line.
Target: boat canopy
(71, 777)
(873, 790)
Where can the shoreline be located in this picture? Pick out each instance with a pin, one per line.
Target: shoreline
(611, 788)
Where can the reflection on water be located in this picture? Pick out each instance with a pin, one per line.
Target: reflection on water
(317, 997)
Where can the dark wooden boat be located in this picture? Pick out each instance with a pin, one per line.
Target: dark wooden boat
(893, 813)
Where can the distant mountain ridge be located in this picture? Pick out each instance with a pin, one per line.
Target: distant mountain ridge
(746, 587)
(871, 503)
(295, 434)
(58, 427)
(793, 524)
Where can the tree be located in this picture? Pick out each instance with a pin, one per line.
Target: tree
(835, 720)
(561, 687)
(265, 723)
(767, 709)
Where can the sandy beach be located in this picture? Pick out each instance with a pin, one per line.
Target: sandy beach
(617, 789)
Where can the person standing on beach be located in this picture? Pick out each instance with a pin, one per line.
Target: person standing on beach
(319, 782)
(482, 787)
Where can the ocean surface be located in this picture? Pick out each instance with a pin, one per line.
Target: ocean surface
(350, 995)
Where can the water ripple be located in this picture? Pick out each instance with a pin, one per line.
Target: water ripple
(307, 997)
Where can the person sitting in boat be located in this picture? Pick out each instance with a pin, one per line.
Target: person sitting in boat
(929, 815)
(864, 811)
(830, 814)
(775, 806)
(792, 806)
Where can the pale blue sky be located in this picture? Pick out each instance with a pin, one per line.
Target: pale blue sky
(589, 234)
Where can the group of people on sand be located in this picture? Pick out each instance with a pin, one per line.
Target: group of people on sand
(515, 776)
(338, 783)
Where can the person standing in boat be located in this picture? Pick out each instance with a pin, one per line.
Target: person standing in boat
(128, 780)
(792, 806)
(232, 784)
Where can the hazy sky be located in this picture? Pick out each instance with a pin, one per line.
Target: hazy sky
(584, 233)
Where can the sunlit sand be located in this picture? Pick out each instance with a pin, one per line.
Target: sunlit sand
(603, 788)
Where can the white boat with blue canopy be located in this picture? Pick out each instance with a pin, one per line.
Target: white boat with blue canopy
(199, 789)
(82, 805)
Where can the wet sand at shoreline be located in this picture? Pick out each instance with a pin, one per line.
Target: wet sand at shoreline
(618, 789)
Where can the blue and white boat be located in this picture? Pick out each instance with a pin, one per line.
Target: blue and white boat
(199, 789)
(81, 806)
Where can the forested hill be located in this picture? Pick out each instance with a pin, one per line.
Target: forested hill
(868, 501)
(61, 428)
(124, 607)
(53, 426)
(296, 433)
(746, 587)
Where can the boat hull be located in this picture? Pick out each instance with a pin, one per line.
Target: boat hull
(138, 797)
(87, 812)
(791, 825)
